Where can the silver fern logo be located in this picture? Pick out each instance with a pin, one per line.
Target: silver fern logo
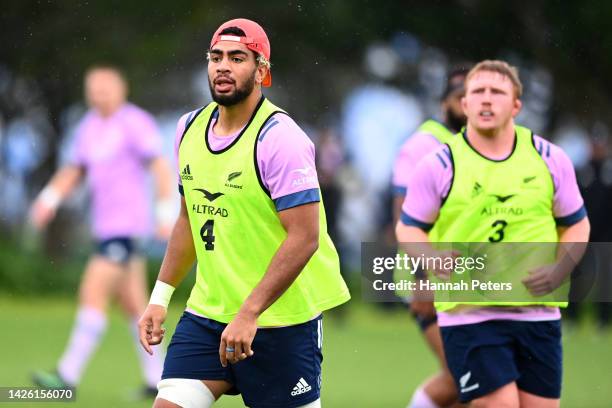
(233, 175)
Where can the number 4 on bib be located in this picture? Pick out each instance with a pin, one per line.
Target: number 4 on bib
(207, 234)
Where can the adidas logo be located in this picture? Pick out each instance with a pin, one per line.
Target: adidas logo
(186, 173)
(300, 388)
(477, 189)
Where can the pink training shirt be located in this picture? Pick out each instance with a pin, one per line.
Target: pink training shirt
(429, 185)
(285, 158)
(419, 145)
(115, 152)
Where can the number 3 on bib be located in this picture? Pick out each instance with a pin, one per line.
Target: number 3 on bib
(498, 234)
(208, 235)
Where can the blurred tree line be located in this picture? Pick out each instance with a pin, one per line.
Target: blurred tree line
(52, 42)
(317, 55)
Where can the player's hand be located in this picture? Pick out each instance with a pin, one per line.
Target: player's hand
(150, 330)
(444, 272)
(41, 214)
(237, 338)
(544, 280)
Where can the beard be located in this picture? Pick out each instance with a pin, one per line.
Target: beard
(234, 98)
(455, 122)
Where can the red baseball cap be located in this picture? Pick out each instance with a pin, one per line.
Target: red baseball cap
(255, 39)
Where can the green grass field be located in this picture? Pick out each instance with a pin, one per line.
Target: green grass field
(374, 358)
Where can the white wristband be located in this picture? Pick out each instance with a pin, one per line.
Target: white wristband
(50, 197)
(162, 292)
(165, 212)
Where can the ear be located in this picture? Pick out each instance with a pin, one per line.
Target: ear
(518, 105)
(464, 104)
(260, 74)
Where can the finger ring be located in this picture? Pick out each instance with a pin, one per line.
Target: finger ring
(229, 349)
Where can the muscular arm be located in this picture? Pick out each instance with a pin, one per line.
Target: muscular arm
(396, 209)
(302, 226)
(567, 205)
(416, 237)
(180, 253)
(415, 242)
(572, 244)
(576, 233)
(417, 211)
(180, 256)
(284, 150)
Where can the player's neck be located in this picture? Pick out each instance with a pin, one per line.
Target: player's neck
(233, 118)
(108, 111)
(494, 143)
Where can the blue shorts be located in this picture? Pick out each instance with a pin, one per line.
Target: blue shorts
(118, 249)
(483, 357)
(285, 370)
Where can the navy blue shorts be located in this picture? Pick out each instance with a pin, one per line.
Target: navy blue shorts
(285, 370)
(483, 357)
(118, 249)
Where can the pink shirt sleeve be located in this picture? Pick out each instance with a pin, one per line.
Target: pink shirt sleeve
(145, 138)
(286, 161)
(428, 188)
(568, 205)
(413, 150)
(76, 155)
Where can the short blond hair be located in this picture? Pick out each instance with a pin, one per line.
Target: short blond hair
(501, 67)
(106, 67)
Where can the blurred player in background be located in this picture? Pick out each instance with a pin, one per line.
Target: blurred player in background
(498, 182)
(251, 215)
(595, 180)
(439, 390)
(116, 144)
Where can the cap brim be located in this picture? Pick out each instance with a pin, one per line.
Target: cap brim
(267, 80)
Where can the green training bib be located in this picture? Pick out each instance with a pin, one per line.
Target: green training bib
(491, 202)
(437, 130)
(236, 230)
